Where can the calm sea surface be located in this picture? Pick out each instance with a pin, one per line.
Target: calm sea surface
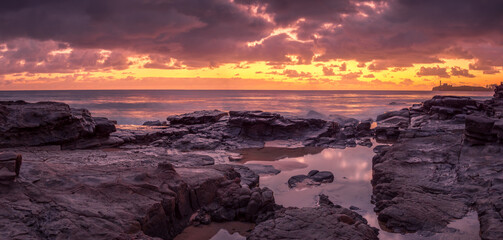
(138, 106)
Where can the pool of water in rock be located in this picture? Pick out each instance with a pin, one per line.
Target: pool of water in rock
(352, 169)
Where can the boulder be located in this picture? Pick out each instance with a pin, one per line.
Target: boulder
(103, 127)
(197, 117)
(314, 177)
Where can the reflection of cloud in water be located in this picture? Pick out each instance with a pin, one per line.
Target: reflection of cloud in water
(352, 169)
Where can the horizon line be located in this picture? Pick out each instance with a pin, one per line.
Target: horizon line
(149, 89)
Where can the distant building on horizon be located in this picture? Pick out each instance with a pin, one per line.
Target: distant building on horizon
(449, 87)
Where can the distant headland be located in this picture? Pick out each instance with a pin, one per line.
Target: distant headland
(448, 87)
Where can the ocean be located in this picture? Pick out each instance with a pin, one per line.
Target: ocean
(138, 106)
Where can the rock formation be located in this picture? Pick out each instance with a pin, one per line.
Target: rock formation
(444, 163)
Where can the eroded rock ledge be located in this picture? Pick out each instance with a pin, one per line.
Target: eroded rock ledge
(446, 160)
(140, 191)
(81, 201)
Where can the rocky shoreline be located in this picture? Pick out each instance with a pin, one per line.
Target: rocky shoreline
(86, 177)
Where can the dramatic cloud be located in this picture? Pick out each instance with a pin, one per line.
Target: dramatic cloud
(380, 36)
(328, 71)
(433, 71)
(457, 71)
(294, 74)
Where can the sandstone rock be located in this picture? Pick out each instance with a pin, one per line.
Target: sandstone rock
(197, 117)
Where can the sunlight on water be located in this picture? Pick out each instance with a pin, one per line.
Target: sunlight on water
(138, 106)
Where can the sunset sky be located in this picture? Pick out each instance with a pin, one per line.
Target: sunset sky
(249, 44)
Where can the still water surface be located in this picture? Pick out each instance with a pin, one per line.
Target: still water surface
(352, 169)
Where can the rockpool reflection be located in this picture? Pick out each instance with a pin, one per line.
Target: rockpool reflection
(352, 169)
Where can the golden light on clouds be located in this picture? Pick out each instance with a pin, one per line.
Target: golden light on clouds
(332, 45)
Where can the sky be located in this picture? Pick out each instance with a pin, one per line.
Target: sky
(250, 44)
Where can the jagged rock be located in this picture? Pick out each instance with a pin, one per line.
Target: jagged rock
(272, 126)
(449, 102)
(155, 123)
(263, 169)
(363, 128)
(43, 123)
(10, 165)
(498, 91)
(197, 117)
(387, 134)
(248, 177)
(103, 127)
(314, 177)
(316, 115)
(498, 129)
(480, 128)
(70, 192)
(343, 120)
(413, 182)
(402, 113)
(324, 222)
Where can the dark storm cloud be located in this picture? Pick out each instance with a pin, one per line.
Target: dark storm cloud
(202, 33)
(410, 31)
(31, 56)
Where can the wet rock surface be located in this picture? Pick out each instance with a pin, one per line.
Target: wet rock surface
(327, 221)
(447, 161)
(314, 177)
